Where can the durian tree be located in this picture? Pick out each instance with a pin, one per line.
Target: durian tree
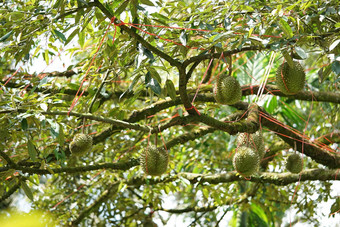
(144, 112)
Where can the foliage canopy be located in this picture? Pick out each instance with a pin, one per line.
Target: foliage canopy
(139, 73)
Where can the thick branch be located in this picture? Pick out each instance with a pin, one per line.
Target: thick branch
(113, 166)
(201, 132)
(329, 138)
(262, 177)
(10, 192)
(332, 160)
(182, 89)
(7, 159)
(117, 123)
(189, 209)
(319, 96)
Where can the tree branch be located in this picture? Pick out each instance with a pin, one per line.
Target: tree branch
(262, 177)
(103, 197)
(195, 209)
(331, 160)
(329, 138)
(203, 57)
(113, 166)
(319, 96)
(10, 192)
(137, 37)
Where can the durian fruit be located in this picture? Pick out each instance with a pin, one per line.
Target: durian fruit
(290, 80)
(154, 161)
(227, 90)
(254, 141)
(246, 161)
(81, 144)
(294, 163)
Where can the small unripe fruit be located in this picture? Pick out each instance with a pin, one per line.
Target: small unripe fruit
(254, 141)
(81, 144)
(154, 161)
(294, 163)
(246, 161)
(227, 90)
(290, 80)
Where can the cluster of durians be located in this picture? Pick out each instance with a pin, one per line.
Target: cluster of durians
(250, 151)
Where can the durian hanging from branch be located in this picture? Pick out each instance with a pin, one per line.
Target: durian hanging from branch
(81, 144)
(227, 89)
(290, 76)
(154, 161)
(294, 163)
(246, 161)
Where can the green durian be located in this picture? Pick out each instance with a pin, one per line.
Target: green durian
(294, 163)
(246, 161)
(154, 161)
(254, 141)
(227, 90)
(81, 144)
(290, 80)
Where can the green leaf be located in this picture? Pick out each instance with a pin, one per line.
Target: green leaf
(24, 124)
(81, 39)
(286, 28)
(155, 74)
(6, 36)
(27, 190)
(95, 106)
(148, 54)
(206, 193)
(335, 207)
(31, 151)
(170, 87)
(336, 67)
(153, 84)
(46, 57)
(55, 128)
(324, 73)
(60, 35)
(73, 34)
(301, 52)
(61, 137)
(334, 44)
(147, 2)
(271, 104)
(121, 8)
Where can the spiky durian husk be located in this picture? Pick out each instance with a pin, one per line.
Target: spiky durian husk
(254, 141)
(227, 90)
(290, 80)
(154, 161)
(294, 163)
(246, 161)
(81, 144)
